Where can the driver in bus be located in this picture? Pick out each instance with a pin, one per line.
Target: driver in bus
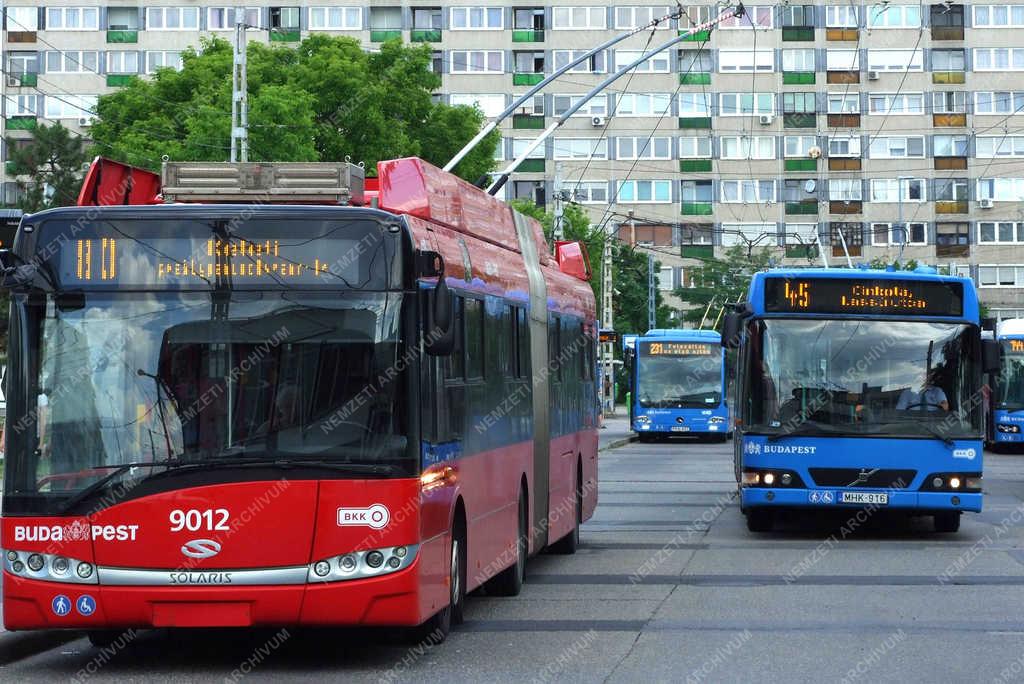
(930, 398)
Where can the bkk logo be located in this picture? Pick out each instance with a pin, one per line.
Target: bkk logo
(375, 516)
(76, 531)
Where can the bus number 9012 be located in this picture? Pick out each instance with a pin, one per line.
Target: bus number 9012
(194, 520)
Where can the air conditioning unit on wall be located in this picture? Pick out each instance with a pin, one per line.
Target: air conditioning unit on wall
(984, 204)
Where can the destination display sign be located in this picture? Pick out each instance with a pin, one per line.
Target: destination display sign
(863, 296)
(1016, 346)
(677, 348)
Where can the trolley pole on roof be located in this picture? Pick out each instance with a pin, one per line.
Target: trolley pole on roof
(503, 176)
(239, 97)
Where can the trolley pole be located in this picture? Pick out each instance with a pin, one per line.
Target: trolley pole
(558, 195)
(652, 294)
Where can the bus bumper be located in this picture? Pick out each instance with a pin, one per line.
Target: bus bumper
(394, 599)
(754, 497)
(1008, 438)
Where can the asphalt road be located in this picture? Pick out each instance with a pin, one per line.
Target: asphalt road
(669, 586)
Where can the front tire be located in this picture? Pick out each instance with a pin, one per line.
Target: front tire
(946, 522)
(509, 582)
(437, 628)
(568, 544)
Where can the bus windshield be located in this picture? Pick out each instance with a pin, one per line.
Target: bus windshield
(864, 377)
(1010, 384)
(679, 381)
(174, 376)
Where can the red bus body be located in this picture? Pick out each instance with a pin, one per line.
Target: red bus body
(280, 526)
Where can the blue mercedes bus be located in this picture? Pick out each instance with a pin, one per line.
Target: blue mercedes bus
(677, 384)
(859, 388)
(1008, 395)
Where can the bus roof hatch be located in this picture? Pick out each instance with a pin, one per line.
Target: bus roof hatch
(263, 182)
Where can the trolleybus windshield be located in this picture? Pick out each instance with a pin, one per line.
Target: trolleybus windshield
(1010, 383)
(864, 377)
(676, 374)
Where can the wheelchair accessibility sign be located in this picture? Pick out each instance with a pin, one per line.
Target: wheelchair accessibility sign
(821, 497)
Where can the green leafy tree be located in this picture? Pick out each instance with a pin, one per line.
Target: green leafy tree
(631, 291)
(719, 281)
(881, 264)
(325, 100)
(48, 168)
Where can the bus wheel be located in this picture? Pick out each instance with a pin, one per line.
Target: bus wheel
(436, 629)
(568, 544)
(509, 582)
(760, 519)
(947, 522)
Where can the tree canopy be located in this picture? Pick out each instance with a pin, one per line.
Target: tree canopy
(324, 100)
(48, 168)
(720, 281)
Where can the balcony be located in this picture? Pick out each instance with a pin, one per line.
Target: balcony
(947, 163)
(425, 36)
(527, 36)
(844, 164)
(20, 123)
(695, 79)
(384, 35)
(695, 122)
(285, 35)
(798, 33)
(531, 166)
(949, 120)
(119, 80)
(947, 32)
(526, 79)
(122, 36)
(21, 36)
(842, 77)
(949, 77)
(952, 250)
(799, 120)
(697, 208)
(802, 207)
(844, 120)
(698, 37)
(845, 207)
(801, 165)
(695, 165)
(849, 34)
(697, 251)
(798, 77)
(27, 80)
(952, 206)
(529, 121)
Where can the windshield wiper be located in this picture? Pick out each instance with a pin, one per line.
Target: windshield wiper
(279, 462)
(101, 483)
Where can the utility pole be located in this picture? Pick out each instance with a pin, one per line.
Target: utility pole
(239, 96)
(559, 230)
(652, 294)
(607, 323)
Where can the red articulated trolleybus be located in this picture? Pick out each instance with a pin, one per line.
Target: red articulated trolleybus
(239, 395)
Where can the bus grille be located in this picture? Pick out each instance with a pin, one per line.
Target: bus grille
(843, 477)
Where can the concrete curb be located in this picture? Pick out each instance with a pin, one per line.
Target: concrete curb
(617, 443)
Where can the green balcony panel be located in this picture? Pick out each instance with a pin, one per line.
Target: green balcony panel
(21, 123)
(949, 77)
(798, 77)
(521, 36)
(801, 164)
(425, 36)
(798, 33)
(695, 122)
(286, 35)
(119, 80)
(527, 121)
(382, 36)
(801, 120)
(697, 251)
(695, 79)
(122, 36)
(801, 251)
(531, 166)
(527, 79)
(698, 208)
(29, 80)
(9, 167)
(802, 207)
(694, 165)
(699, 37)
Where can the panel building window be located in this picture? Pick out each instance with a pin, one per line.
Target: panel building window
(841, 16)
(949, 145)
(643, 104)
(748, 147)
(645, 191)
(578, 18)
(885, 234)
(647, 147)
(476, 18)
(696, 61)
(72, 62)
(760, 16)
(163, 59)
(843, 103)
(746, 104)
(951, 102)
(842, 60)
(799, 103)
(748, 233)
(335, 18)
(1001, 232)
(992, 146)
(70, 106)
(798, 16)
(580, 148)
(999, 102)
(1001, 189)
(1001, 276)
(693, 147)
(896, 189)
(884, 16)
(595, 64)
(999, 59)
(896, 103)
(122, 62)
(850, 233)
(897, 147)
(658, 64)
(952, 239)
(798, 60)
(999, 16)
(949, 60)
(225, 18)
(844, 189)
(589, 192)
(22, 18)
(896, 60)
(844, 146)
(636, 16)
(694, 104)
(491, 105)
(746, 60)
(596, 106)
(747, 191)
(79, 18)
(477, 61)
(799, 145)
(172, 18)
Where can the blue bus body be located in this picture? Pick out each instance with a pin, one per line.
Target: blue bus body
(858, 388)
(1008, 396)
(677, 384)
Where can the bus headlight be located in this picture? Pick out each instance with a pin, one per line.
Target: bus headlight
(1007, 428)
(362, 564)
(48, 567)
(716, 420)
(952, 482)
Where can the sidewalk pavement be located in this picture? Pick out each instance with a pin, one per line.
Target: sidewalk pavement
(615, 432)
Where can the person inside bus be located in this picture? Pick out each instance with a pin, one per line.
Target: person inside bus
(930, 398)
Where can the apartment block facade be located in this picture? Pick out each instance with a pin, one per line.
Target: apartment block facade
(817, 131)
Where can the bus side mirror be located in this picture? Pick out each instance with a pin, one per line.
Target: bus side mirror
(440, 331)
(990, 361)
(732, 328)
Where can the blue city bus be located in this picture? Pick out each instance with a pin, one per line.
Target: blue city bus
(677, 384)
(859, 388)
(1007, 426)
